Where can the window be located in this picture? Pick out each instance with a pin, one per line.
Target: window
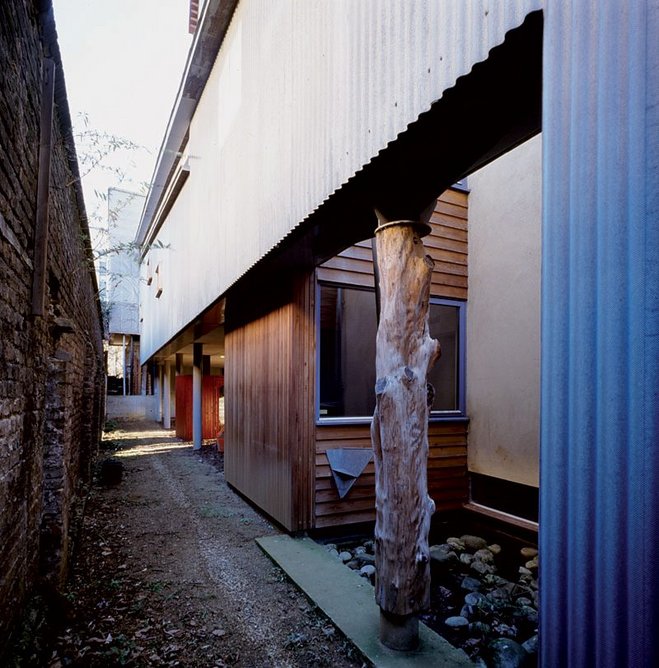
(347, 325)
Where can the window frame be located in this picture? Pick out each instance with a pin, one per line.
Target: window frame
(455, 415)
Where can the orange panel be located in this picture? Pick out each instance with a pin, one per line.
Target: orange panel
(210, 406)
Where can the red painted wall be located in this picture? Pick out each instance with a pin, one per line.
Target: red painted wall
(210, 407)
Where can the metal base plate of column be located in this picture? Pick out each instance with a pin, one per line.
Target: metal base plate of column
(399, 632)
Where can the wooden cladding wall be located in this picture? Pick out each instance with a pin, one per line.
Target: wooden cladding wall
(269, 406)
(447, 472)
(447, 245)
(210, 406)
(447, 461)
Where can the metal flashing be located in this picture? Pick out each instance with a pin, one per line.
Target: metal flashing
(347, 464)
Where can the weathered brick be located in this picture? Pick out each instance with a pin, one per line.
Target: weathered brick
(45, 403)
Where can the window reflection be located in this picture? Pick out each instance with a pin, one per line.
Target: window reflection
(347, 353)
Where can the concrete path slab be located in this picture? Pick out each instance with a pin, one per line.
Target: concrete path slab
(348, 600)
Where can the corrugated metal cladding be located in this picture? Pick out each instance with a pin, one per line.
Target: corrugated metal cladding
(600, 340)
(302, 95)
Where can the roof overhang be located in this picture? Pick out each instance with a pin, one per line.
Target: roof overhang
(208, 39)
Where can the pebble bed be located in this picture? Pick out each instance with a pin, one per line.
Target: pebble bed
(494, 619)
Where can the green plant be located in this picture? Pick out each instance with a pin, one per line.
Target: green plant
(110, 425)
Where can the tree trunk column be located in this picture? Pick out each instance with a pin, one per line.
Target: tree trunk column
(405, 352)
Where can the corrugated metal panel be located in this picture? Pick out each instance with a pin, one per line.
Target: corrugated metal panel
(302, 95)
(600, 340)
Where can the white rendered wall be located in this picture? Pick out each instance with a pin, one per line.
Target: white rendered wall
(503, 316)
(302, 95)
(136, 406)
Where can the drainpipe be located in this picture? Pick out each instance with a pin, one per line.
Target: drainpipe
(167, 397)
(197, 425)
(123, 359)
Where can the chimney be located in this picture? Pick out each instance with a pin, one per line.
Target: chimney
(194, 16)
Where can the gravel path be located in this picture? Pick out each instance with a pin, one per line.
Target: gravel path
(168, 573)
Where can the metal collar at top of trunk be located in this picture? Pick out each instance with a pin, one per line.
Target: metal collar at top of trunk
(422, 229)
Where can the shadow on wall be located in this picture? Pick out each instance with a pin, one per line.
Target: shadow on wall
(132, 406)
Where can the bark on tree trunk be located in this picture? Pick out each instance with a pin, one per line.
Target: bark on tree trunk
(405, 352)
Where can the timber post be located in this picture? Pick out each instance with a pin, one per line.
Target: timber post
(404, 354)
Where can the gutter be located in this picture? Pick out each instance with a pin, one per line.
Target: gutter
(212, 28)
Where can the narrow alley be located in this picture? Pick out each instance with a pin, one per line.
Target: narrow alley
(167, 572)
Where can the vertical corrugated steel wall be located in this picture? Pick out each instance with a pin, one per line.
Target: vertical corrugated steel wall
(302, 95)
(600, 336)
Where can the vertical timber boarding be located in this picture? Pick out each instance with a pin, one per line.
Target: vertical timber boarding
(447, 459)
(269, 407)
(210, 406)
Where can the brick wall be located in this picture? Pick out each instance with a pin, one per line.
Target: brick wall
(51, 367)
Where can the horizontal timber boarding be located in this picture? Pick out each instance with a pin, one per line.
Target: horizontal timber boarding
(447, 472)
(446, 245)
(269, 407)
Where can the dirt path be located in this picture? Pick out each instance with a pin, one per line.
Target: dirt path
(168, 573)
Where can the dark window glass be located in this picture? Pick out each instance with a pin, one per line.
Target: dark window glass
(444, 323)
(347, 353)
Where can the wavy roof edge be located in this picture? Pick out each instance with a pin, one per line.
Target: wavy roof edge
(211, 30)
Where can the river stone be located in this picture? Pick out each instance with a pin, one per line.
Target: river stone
(333, 551)
(532, 565)
(473, 543)
(445, 593)
(506, 653)
(525, 571)
(330, 546)
(369, 545)
(484, 555)
(345, 556)
(495, 581)
(501, 593)
(366, 559)
(531, 645)
(522, 600)
(505, 630)
(442, 554)
(367, 571)
(456, 622)
(495, 548)
(521, 589)
(481, 568)
(470, 584)
(466, 611)
(355, 564)
(528, 552)
(466, 558)
(479, 628)
(360, 550)
(473, 598)
(527, 614)
(455, 543)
